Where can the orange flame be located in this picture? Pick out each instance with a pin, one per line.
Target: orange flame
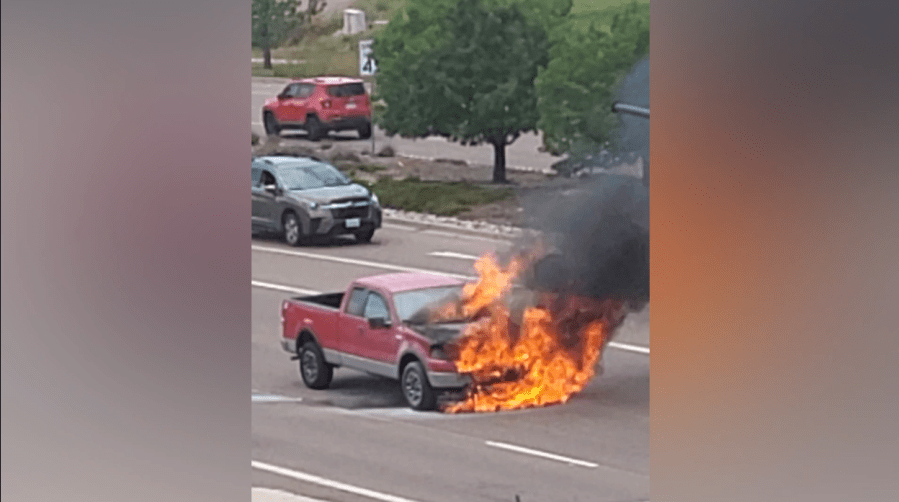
(545, 360)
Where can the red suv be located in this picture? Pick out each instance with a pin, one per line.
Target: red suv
(318, 105)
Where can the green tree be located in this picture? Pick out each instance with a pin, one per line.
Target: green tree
(464, 70)
(276, 20)
(590, 53)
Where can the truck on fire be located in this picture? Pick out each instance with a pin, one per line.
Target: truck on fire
(371, 327)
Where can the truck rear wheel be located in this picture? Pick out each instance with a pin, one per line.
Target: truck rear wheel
(416, 389)
(314, 370)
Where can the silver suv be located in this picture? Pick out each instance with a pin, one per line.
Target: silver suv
(300, 197)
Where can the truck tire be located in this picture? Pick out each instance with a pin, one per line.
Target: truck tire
(314, 370)
(416, 389)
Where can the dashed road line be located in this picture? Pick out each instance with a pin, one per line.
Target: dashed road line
(542, 454)
(629, 347)
(354, 261)
(274, 398)
(272, 495)
(328, 483)
(453, 254)
(281, 287)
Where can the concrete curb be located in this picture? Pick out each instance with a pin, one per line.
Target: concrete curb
(475, 228)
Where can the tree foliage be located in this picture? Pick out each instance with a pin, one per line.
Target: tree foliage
(464, 70)
(590, 53)
(274, 21)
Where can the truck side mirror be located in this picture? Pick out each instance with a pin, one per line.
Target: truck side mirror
(378, 323)
(272, 189)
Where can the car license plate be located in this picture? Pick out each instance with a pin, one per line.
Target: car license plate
(350, 106)
(353, 223)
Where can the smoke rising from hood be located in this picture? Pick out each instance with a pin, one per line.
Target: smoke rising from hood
(634, 132)
(600, 242)
(599, 230)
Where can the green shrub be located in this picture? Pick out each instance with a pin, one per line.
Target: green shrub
(433, 197)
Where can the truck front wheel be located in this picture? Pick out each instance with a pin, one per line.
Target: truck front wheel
(416, 389)
(314, 370)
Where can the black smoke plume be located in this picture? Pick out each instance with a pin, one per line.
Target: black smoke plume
(598, 229)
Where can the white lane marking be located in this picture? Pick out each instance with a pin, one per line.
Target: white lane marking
(353, 261)
(318, 480)
(451, 254)
(632, 348)
(444, 233)
(271, 495)
(286, 289)
(543, 454)
(274, 398)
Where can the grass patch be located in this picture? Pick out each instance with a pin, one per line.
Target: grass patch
(440, 198)
(324, 55)
(380, 9)
(370, 168)
(580, 6)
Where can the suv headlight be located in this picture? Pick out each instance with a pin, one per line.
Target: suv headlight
(374, 198)
(312, 205)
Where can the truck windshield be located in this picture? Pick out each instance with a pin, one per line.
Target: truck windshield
(308, 176)
(409, 303)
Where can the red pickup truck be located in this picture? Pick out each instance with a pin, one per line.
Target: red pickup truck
(376, 327)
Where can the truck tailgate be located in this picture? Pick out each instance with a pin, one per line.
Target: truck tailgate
(313, 315)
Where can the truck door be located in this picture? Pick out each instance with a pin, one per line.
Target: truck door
(369, 349)
(350, 324)
(379, 343)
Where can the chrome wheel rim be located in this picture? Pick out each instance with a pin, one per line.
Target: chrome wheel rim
(291, 230)
(412, 386)
(310, 366)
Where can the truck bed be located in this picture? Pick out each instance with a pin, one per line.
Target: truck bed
(326, 300)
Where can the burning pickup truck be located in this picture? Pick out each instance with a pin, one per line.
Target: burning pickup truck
(371, 327)
(504, 345)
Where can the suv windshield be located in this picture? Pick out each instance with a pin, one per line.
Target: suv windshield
(410, 303)
(346, 90)
(307, 176)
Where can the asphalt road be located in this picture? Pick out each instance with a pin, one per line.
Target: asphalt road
(358, 442)
(523, 153)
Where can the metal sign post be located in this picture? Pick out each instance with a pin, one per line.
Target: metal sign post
(368, 68)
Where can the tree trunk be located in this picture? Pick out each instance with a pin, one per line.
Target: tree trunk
(266, 49)
(499, 161)
(266, 57)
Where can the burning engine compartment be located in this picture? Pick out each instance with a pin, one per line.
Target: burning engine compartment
(532, 328)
